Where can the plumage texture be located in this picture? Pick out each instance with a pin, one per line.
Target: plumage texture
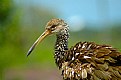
(83, 61)
(86, 60)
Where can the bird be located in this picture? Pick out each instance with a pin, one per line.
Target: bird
(84, 60)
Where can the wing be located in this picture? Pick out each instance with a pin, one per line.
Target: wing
(87, 60)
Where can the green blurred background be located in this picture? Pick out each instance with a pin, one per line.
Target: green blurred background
(21, 23)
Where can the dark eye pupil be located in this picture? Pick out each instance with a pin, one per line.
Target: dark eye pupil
(53, 26)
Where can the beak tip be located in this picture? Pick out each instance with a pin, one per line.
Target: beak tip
(27, 55)
(29, 52)
(31, 49)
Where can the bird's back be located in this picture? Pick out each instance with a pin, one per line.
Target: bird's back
(90, 61)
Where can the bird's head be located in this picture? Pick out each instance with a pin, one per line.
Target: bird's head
(53, 26)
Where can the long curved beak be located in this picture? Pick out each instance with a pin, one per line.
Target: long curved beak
(44, 34)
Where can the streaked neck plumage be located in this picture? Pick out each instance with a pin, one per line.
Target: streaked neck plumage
(61, 45)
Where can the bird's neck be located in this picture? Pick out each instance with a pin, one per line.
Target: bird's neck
(61, 45)
(62, 40)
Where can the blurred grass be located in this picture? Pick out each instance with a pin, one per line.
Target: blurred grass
(20, 27)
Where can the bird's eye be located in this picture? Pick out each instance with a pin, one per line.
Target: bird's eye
(53, 26)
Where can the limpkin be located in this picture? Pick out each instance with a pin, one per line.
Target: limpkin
(83, 61)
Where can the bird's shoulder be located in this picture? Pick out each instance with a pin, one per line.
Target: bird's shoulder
(91, 49)
(89, 52)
